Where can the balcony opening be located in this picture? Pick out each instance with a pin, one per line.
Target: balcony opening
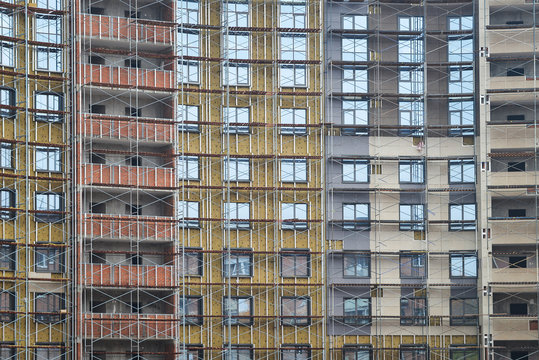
(96, 258)
(132, 111)
(96, 60)
(516, 166)
(133, 63)
(519, 355)
(98, 208)
(98, 109)
(135, 259)
(518, 309)
(97, 158)
(516, 117)
(517, 262)
(99, 307)
(514, 22)
(515, 72)
(135, 308)
(133, 209)
(134, 160)
(516, 213)
(132, 14)
(97, 10)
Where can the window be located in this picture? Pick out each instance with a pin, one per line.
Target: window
(295, 117)
(188, 212)
(188, 46)
(188, 11)
(413, 352)
(412, 115)
(236, 74)
(49, 259)
(49, 28)
(238, 310)
(462, 353)
(52, 351)
(413, 311)
(517, 309)
(413, 266)
(516, 166)
(355, 80)
(188, 117)
(6, 155)
(7, 255)
(191, 262)
(461, 216)
(356, 216)
(410, 23)
(190, 352)
(6, 29)
(516, 71)
(188, 168)
(98, 208)
(6, 54)
(49, 59)
(411, 81)
(519, 355)
(355, 171)
(411, 171)
(295, 311)
(461, 171)
(355, 112)
(133, 63)
(134, 259)
(461, 113)
(292, 16)
(293, 48)
(354, 49)
(238, 262)
(354, 352)
(190, 309)
(411, 217)
(7, 303)
(293, 170)
(236, 46)
(460, 23)
(516, 213)
(463, 265)
(354, 22)
(460, 80)
(8, 352)
(7, 200)
(238, 352)
(356, 265)
(357, 311)
(516, 117)
(517, 262)
(48, 303)
(46, 105)
(48, 159)
(411, 49)
(236, 120)
(237, 215)
(50, 202)
(295, 352)
(460, 48)
(464, 312)
(50, 4)
(132, 111)
(294, 216)
(236, 169)
(7, 100)
(235, 14)
(295, 263)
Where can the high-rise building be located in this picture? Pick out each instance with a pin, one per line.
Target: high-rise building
(293, 179)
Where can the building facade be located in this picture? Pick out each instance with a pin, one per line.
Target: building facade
(300, 179)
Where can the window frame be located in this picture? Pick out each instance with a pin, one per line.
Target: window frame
(415, 109)
(8, 251)
(7, 213)
(414, 320)
(355, 80)
(185, 112)
(465, 349)
(47, 254)
(354, 48)
(237, 348)
(465, 319)
(10, 96)
(462, 256)
(188, 255)
(415, 174)
(356, 165)
(188, 318)
(287, 19)
(56, 159)
(295, 254)
(293, 75)
(356, 349)
(235, 113)
(6, 155)
(461, 108)
(357, 111)
(415, 348)
(462, 224)
(238, 166)
(294, 116)
(296, 320)
(48, 115)
(187, 166)
(411, 80)
(237, 254)
(10, 306)
(238, 319)
(185, 207)
(236, 222)
(49, 318)
(241, 18)
(355, 17)
(464, 165)
(185, 12)
(414, 224)
(355, 320)
(413, 264)
(294, 349)
(297, 166)
(292, 223)
(48, 217)
(367, 257)
(356, 223)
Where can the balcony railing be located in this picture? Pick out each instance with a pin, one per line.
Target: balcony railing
(127, 275)
(128, 326)
(143, 228)
(513, 327)
(513, 231)
(128, 175)
(119, 28)
(122, 128)
(119, 76)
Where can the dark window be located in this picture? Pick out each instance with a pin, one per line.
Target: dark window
(357, 311)
(132, 14)
(7, 256)
(413, 311)
(136, 307)
(49, 260)
(97, 258)
(49, 351)
(96, 60)
(295, 352)
(516, 117)
(464, 311)
(134, 160)
(517, 212)
(356, 265)
(516, 262)
(99, 307)
(518, 309)
(7, 303)
(132, 111)
(519, 355)
(7, 101)
(295, 311)
(413, 266)
(134, 259)
(238, 352)
(191, 263)
(47, 307)
(191, 308)
(7, 200)
(97, 158)
(133, 63)
(238, 263)
(238, 310)
(98, 208)
(97, 10)
(515, 72)
(462, 353)
(98, 109)
(133, 209)
(354, 352)
(516, 166)
(191, 352)
(514, 22)
(295, 264)
(52, 204)
(411, 352)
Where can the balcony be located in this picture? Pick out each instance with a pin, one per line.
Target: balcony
(127, 275)
(511, 328)
(503, 136)
(122, 128)
(513, 231)
(510, 274)
(520, 178)
(129, 326)
(126, 77)
(153, 177)
(125, 29)
(122, 227)
(511, 41)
